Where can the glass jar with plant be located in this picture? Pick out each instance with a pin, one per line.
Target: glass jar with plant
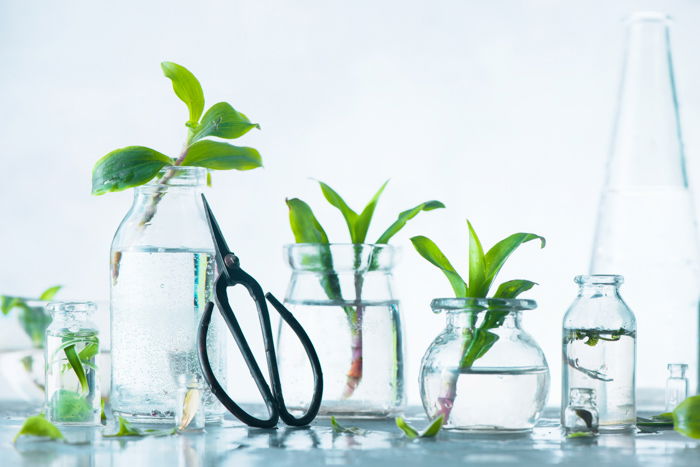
(161, 256)
(483, 372)
(21, 347)
(342, 294)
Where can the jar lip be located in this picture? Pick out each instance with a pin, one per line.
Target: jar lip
(340, 257)
(649, 16)
(471, 304)
(183, 176)
(377, 246)
(600, 279)
(71, 307)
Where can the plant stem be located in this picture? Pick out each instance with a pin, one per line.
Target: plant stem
(354, 375)
(155, 199)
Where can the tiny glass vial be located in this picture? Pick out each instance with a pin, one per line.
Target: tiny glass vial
(71, 351)
(189, 413)
(581, 415)
(676, 385)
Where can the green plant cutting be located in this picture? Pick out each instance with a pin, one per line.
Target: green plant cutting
(307, 229)
(136, 165)
(483, 269)
(33, 319)
(430, 432)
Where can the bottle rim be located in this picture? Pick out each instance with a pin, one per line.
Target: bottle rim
(649, 17)
(473, 304)
(71, 307)
(599, 279)
(182, 176)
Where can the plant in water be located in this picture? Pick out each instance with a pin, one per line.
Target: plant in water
(483, 269)
(33, 319)
(307, 229)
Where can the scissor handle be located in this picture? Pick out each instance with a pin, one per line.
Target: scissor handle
(315, 404)
(216, 387)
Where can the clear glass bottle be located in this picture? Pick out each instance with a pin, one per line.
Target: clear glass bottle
(646, 222)
(581, 415)
(342, 295)
(599, 350)
(162, 271)
(676, 385)
(72, 347)
(483, 372)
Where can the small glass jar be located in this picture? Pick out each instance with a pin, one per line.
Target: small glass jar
(483, 372)
(676, 385)
(72, 347)
(581, 415)
(342, 294)
(599, 350)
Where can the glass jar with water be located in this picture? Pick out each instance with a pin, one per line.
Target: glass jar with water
(72, 347)
(599, 351)
(343, 297)
(483, 372)
(161, 279)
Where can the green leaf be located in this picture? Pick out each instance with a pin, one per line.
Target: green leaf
(127, 167)
(337, 201)
(125, 429)
(34, 321)
(405, 217)
(8, 303)
(434, 428)
(686, 417)
(89, 351)
(223, 121)
(365, 217)
(499, 253)
(74, 360)
(222, 156)
(187, 88)
(477, 265)
(430, 251)
(512, 289)
(38, 426)
(50, 293)
(338, 428)
(69, 406)
(580, 434)
(305, 226)
(408, 430)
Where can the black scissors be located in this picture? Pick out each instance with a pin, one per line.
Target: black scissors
(231, 274)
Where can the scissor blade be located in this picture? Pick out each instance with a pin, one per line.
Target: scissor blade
(219, 243)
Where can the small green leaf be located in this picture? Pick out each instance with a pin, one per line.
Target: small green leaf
(434, 428)
(405, 217)
(127, 167)
(408, 430)
(186, 87)
(222, 156)
(499, 253)
(69, 406)
(305, 226)
(430, 251)
(103, 415)
(50, 293)
(75, 363)
(125, 429)
(34, 321)
(338, 428)
(338, 202)
(38, 426)
(580, 434)
(512, 289)
(365, 217)
(223, 121)
(89, 351)
(8, 303)
(477, 265)
(686, 417)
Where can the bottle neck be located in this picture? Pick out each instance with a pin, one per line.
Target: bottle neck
(598, 290)
(647, 148)
(464, 319)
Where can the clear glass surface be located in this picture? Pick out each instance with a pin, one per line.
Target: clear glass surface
(599, 348)
(505, 388)
(162, 273)
(71, 354)
(342, 296)
(646, 227)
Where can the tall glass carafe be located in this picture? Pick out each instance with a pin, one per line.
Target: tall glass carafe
(161, 279)
(646, 223)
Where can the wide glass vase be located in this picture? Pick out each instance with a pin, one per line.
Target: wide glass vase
(483, 372)
(342, 295)
(162, 270)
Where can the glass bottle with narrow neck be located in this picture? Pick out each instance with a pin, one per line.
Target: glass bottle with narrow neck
(646, 227)
(161, 279)
(598, 351)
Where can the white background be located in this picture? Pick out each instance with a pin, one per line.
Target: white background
(500, 109)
